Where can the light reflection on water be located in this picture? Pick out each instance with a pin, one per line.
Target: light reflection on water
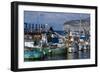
(85, 54)
(78, 55)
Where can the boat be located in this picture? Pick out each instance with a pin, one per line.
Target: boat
(31, 45)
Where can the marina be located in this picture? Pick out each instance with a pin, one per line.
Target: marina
(46, 44)
(54, 36)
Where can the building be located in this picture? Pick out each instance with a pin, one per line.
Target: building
(77, 25)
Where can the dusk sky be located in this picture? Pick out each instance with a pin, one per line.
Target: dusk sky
(54, 19)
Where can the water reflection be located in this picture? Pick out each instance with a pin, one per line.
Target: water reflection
(39, 56)
(85, 54)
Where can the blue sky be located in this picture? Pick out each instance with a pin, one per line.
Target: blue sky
(54, 19)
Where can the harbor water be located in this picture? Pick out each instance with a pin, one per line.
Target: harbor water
(55, 54)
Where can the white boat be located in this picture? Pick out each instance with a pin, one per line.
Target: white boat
(30, 45)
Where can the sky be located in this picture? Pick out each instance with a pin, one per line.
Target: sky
(54, 19)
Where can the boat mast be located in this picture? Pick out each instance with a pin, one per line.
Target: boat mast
(80, 24)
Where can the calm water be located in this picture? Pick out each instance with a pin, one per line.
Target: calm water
(78, 55)
(85, 54)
